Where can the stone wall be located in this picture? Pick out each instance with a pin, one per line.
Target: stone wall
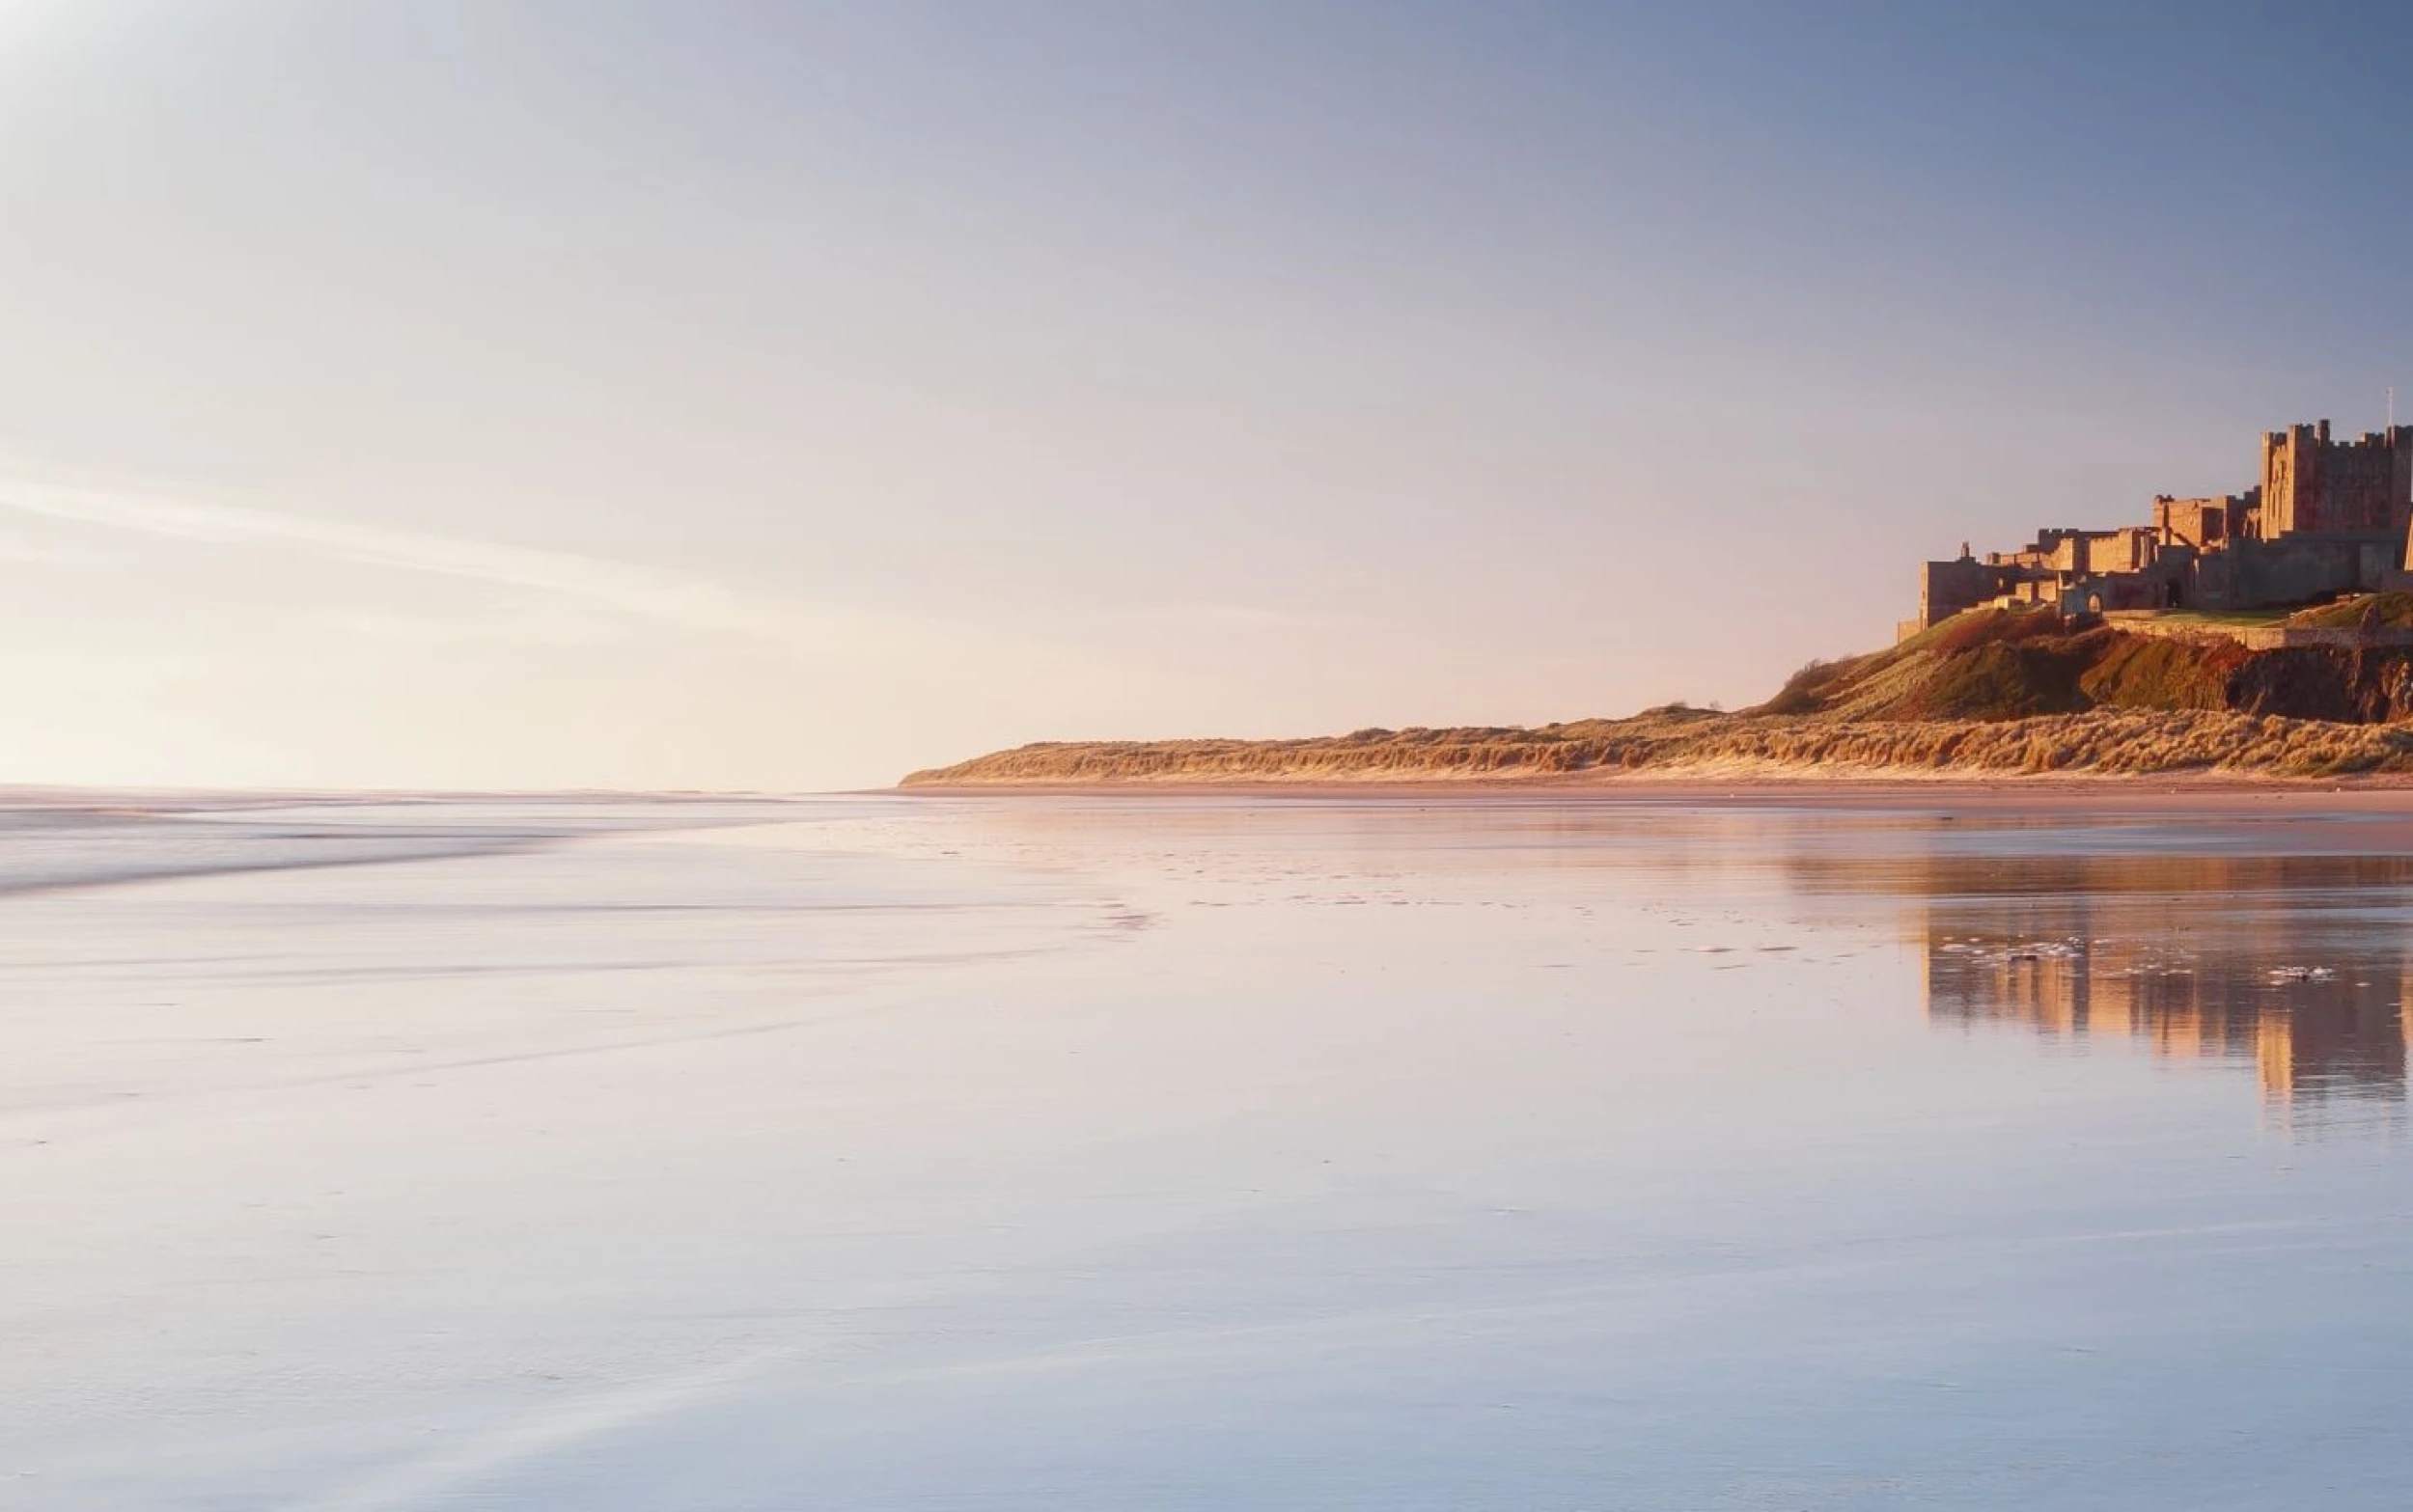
(1947, 588)
(2260, 636)
(2302, 569)
(2205, 524)
(2128, 549)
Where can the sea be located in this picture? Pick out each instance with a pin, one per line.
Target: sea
(1550, 1152)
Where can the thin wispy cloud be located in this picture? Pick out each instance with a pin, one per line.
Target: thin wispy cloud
(682, 599)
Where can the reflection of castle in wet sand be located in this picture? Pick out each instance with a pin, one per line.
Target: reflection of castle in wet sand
(2278, 960)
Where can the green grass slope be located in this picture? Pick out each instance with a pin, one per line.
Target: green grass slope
(1995, 664)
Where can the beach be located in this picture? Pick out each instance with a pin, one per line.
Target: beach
(1937, 1145)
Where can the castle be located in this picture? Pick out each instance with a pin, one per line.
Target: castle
(2329, 517)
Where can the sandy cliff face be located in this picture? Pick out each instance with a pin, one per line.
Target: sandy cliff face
(1988, 693)
(2354, 686)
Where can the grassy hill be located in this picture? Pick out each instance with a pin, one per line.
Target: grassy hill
(1990, 692)
(1992, 664)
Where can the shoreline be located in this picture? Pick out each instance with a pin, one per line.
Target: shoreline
(2187, 747)
(2268, 816)
(2392, 794)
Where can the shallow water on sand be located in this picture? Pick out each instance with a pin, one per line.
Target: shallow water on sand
(1201, 1153)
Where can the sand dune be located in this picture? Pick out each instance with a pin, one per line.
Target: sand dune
(1692, 744)
(1988, 693)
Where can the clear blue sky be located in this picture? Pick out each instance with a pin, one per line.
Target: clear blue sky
(787, 395)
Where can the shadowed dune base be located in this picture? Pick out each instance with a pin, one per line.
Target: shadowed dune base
(1684, 743)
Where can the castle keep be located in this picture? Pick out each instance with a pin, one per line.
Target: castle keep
(2328, 517)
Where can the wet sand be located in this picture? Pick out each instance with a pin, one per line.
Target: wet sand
(2283, 812)
(1538, 1151)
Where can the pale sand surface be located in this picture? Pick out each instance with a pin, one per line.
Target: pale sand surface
(2283, 815)
(1398, 1151)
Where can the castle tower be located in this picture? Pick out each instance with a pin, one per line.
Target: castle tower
(2314, 484)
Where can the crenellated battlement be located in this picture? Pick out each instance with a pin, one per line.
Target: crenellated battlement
(2317, 435)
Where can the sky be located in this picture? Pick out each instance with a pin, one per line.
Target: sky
(700, 394)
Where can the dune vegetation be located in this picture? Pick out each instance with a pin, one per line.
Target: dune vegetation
(1991, 693)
